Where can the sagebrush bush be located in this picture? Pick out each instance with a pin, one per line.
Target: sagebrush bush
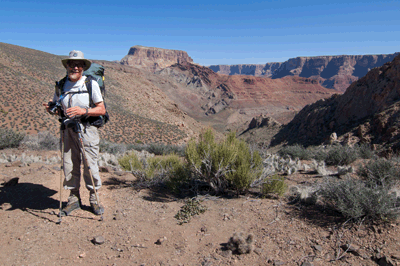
(164, 149)
(155, 171)
(341, 155)
(229, 163)
(48, 141)
(162, 163)
(44, 140)
(10, 138)
(295, 151)
(331, 155)
(159, 148)
(112, 148)
(365, 151)
(380, 172)
(355, 199)
(130, 162)
(274, 185)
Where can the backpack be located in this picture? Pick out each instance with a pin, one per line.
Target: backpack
(95, 72)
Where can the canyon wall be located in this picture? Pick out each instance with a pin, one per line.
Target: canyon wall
(333, 72)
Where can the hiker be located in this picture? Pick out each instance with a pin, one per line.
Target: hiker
(75, 115)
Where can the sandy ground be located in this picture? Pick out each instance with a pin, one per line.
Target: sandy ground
(139, 227)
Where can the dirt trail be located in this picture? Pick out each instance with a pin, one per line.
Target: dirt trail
(139, 228)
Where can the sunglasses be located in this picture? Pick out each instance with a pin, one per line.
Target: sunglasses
(76, 64)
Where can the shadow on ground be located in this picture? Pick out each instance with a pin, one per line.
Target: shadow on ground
(25, 196)
(316, 215)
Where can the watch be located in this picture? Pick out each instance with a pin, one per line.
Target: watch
(87, 111)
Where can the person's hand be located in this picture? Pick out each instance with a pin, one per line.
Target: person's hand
(76, 110)
(46, 105)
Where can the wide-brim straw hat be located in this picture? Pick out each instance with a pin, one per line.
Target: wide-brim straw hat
(76, 55)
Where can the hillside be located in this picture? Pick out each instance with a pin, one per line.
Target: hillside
(368, 112)
(333, 72)
(228, 101)
(139, 111)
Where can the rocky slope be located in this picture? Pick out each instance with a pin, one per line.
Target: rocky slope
(152, 59)
(140, 112)
(368, 112)
(335, 72)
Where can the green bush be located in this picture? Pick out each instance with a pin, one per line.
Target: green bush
(229, 163)
(191, 208)
(164, 149)
(167, 163)
(365, 151)
(155, 171)
(274, 185)
(380, 172)
(10, 138)
(158, 148)
(130, 162)
(295, 151)
(355, 199)
(331, 155)
(341, 155)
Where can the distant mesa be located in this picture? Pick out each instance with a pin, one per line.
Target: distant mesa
(153, 59)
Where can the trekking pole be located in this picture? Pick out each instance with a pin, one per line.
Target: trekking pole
(61, 173)
(79, 131)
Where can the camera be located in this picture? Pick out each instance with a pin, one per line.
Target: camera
(70, 123)
(54, 107)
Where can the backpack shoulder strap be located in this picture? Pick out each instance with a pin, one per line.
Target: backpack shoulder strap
(59, 86)
(88, 83)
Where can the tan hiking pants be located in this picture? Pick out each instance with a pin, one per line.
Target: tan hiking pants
(73, 157)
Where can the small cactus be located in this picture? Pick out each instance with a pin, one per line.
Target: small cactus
(241, 245)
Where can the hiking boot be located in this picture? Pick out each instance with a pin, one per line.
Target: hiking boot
(97, 208)
(71, 206)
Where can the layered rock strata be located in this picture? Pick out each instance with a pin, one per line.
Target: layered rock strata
(368, 112)
(152, 59)
(334, 72)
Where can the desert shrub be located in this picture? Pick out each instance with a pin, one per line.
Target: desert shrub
(130, 162)
(162, 163)
(229, 163)
(159, 148)
(365, 151)
(164, 149)
(274, 185)
(353, 198)
(247, 166)
(10, 138)
(44, 140)
(48, 141)
(191, 208)
(331, 155)
(112, 148)
(341, 155)
(179, 179)
(380, 172)
(295, 151)
(156, 171)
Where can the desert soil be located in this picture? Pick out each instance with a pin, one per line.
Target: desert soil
(139, 227)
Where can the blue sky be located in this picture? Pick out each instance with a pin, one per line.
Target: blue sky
(211, 32)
